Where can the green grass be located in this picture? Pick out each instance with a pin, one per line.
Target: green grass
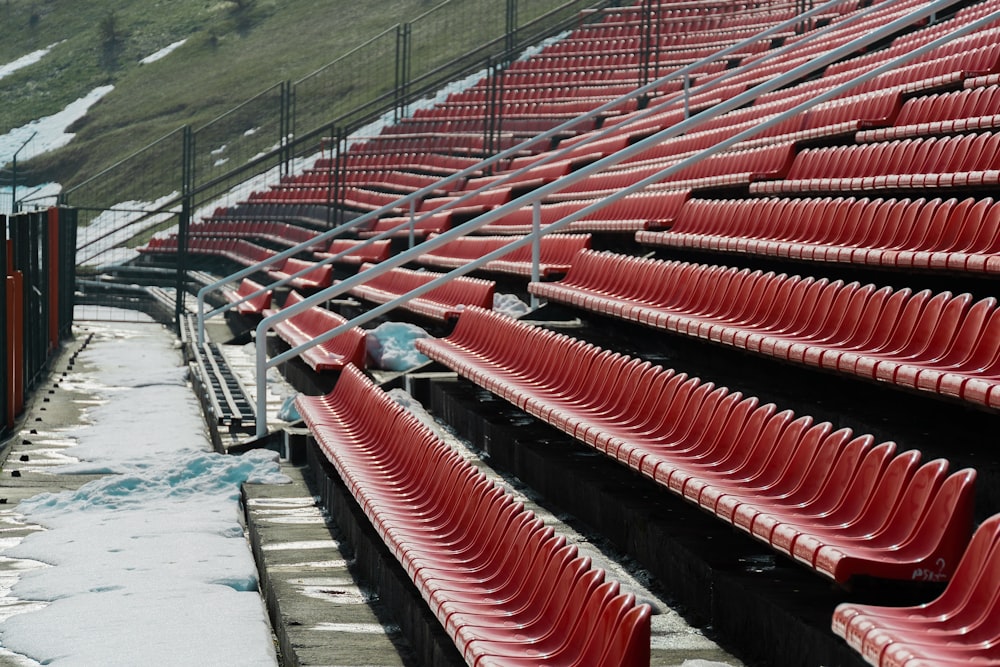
(229, 56)
(232, 53)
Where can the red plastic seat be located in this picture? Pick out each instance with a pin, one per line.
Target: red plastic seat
(503, 586)
(840, 504)
(958, 627)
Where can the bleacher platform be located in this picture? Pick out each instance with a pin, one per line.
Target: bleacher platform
(785, 353)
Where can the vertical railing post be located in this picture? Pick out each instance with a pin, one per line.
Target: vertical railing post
(412, 227)
(536, 246)
(687, 95)
(493, 109)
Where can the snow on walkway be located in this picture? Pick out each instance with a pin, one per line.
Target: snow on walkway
(147, 565)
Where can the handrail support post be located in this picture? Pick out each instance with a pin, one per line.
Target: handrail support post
(536, 246)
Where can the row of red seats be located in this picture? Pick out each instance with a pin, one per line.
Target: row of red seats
(392, 179)
(726, 169)
(637, 211)
(508, 91)
(937, 343)
(958, 628)
(908, 42)
(536, 175)
(837, 503)
(237, 250)
(274, 231)
(695, 18)
(346, 349)
(578, 79)
(474, 123)
(355, 252)
(428, 220)
(903, 77)
(968, 160)
(664, 46)
(468, 144)
(361, 199)
(839, 117)
(762, 69)
(556, 253)
(315, 276)
(537, 106)
(943, 72)
(417, 162)
(253, 306)
(306, 213)
(423, 224)
(967, 110)
(504, 587)
(440, 303)
(956, 235)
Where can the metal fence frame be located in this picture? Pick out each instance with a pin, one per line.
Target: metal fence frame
(180, 157)
(40, 249)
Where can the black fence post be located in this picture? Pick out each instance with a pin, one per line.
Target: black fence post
(184, 222)
(67, 270)
(5, 389)
(510, 32)
(402, 92)
(285, 111)
(493, 126)
(649, 45)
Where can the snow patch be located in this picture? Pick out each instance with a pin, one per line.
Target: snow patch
(126, 555)
(115, 226)
(162, 53)
(51, 130)
(510, 304)
(391, 346)
(25, 61)
(43, 135)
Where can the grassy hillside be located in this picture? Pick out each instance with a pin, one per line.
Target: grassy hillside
(233, 50)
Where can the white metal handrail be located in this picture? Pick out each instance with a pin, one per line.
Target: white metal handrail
(411, 198)
(922, 12)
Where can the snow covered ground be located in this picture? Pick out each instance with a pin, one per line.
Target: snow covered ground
(162, 53)
(40, 136)
(147, 565)
(22, 62)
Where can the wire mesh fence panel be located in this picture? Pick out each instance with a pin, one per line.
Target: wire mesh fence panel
(119, 210)
(244, 134)
(366, 76)
(222, 166)
(144, 180)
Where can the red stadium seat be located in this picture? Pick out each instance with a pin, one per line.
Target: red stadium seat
(835, 503)
(503, 587)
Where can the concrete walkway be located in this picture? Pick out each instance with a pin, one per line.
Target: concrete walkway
(320, 613)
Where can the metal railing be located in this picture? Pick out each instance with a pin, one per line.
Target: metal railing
(922, 12)
(195, 167)
(411, 199)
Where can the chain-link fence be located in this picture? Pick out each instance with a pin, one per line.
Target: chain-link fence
(191, 171)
